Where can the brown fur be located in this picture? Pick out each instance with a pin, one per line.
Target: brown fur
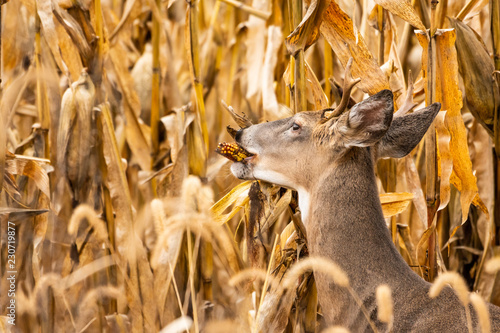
(332, 164)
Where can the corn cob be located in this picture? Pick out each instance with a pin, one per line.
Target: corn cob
(232, 151)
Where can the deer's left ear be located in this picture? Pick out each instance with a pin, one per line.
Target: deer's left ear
(368, 121)
(406, 132)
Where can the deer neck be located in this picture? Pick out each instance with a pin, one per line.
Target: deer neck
(344, 223)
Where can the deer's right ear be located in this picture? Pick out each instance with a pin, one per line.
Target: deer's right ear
(368, 121)
(406, 132)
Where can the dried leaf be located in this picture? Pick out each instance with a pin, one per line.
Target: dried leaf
(307, 32)
(21, 212)
(404, 10)
(122, 205)
(337, 28)
(450, 96)
(414, 185)
(130, 5)
(75, 32)
(26, 167)
(146, 281)
(10, 99)
(69, 52)
(44, 10)
(476, 68)
(282, 204)
(315, 94)
(237, 196)
(269, 99)
(394, 203)
(241, 120)
(445, 159)
(117, 184)
(134, 135)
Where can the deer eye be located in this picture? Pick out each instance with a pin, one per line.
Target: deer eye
(295, 127)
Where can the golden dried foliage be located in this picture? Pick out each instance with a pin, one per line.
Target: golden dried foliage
(110, 116)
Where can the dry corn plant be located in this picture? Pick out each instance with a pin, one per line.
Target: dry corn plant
(118, 215)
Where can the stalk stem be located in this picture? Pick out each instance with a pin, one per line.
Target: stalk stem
(381, 45)
(155, 88)
(300, 97)
(432, 185)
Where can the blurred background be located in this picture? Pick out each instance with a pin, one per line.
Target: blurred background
(125, 219)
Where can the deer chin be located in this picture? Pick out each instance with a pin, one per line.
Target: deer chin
(242, 170)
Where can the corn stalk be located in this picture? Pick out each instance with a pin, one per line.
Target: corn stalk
(299, 77)
(155, 82)
(41, 93)
(193, 48)
(328, 71)
(432, 185)
(495, 36)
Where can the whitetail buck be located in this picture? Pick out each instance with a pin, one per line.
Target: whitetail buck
(328, 157)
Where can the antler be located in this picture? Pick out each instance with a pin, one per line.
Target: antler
(349, 83)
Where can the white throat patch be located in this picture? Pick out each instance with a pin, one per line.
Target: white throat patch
(304, 204)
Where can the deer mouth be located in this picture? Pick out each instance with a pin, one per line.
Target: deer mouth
(234, 152)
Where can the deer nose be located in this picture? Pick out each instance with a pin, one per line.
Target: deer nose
(238, 135)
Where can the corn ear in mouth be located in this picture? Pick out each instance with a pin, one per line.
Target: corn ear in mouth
(232, 151)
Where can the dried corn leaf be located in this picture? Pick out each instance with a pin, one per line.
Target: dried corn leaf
(269, 100)
(122, 206)
(44, 10)
(450, 96)
(197, 155)
(482, 163)
(476, 68)
(278, 209)
(3, 143)
(21, 213)
(254, 57)
(146, 280)
(10, 99)
(445, 159)
(237, 196)
(414, 185)
(337, 28)
(285, 236)
(40, 229)
(69, 52)
(31, 169)
(117, 184)
(134, 135)
(394, 203)
(10, 187)
(404, 10)
(307, 32)
(130, 6)
(315, 94)
(74, 30)
(241, 120)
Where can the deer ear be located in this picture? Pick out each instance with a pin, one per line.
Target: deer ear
(367, 121)
(406, 132)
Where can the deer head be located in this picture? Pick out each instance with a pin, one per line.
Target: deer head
(295, 152)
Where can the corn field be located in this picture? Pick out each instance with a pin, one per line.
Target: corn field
(118, 215)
